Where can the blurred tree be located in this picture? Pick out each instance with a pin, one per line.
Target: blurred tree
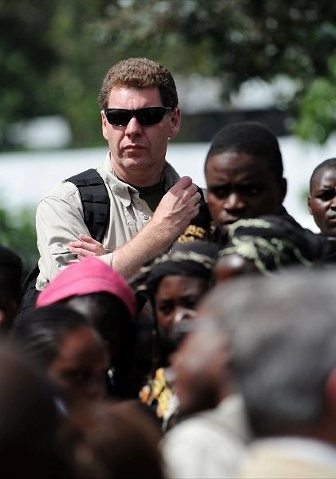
(54, 54)
(26, 58)
(76, 80)
(50, 64)
(18, 233)
(236, 40)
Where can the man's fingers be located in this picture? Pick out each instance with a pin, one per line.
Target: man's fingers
(81, 245)
(92, 247)
(88, 239)
(182, 184)
(197, 197)
(82, 252)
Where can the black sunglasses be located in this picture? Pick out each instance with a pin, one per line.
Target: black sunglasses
(145, 116)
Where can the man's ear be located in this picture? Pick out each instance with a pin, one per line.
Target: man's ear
(104, 125)
(308, 203)
(175, 118)
(283, 190)
(330, 392)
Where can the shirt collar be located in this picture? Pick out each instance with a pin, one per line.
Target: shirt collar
(125, 191)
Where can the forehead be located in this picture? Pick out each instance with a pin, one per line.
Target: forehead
(237, 166)
(81, 344)
(179, 285)
(133, 98)
(324, 177)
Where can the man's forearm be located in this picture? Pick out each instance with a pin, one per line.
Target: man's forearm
(150, 242)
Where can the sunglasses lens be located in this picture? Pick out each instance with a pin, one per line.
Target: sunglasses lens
(150, 116)
(118, 117)
(145, 116)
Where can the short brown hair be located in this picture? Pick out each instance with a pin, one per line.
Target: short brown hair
(139, 73)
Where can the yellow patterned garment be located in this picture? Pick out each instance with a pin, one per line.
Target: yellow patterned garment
(158, 396)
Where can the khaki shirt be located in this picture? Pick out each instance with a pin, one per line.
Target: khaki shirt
(60, 219)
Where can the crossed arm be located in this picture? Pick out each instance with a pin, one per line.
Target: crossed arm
(173, 214)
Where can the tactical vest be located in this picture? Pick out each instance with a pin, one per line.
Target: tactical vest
(96, 209)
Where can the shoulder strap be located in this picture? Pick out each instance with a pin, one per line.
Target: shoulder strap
(95, 200)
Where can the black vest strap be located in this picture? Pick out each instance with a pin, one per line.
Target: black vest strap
(95, 200)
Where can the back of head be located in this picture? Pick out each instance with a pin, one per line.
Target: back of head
(39, 336)
(251, 138)
(192, 259)
(10, 285)
(283, 339)
(28, 419)
(139, 73)
(270, 243)
(111, 441)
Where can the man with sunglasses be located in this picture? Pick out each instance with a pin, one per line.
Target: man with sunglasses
(149, 205)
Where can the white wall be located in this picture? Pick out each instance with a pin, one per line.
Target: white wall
(26, 177)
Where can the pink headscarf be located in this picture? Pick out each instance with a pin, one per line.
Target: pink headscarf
(90, 275)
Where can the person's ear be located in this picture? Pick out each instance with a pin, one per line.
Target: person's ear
(283, 190)
(308, 203)
(104, 125)
(175, 119)
(330, 392)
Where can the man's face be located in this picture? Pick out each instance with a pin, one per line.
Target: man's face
(241, 186)
(138, 152)
(322, 200)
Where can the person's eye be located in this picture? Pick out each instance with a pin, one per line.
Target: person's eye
(251, 189)
(326, 195)
(165, 308)
(189, 303)
(221, 191)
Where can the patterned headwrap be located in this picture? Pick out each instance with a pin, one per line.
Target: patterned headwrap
(195, 259)
(270, 242)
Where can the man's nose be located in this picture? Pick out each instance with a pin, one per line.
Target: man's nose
(133, 127)
(333, 202)
(234, 201)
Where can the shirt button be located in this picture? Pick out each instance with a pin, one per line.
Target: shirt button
(146, 217)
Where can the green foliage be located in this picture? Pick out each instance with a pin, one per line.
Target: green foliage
(54, 54)
(17, 232)
(26, 57)
(317, 107)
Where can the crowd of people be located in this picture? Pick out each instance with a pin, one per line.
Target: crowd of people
(168, 332)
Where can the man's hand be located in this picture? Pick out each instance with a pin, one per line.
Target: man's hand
(177, 208)
(87, 246)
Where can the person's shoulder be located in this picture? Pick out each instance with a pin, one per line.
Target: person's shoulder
(64, 190)
(194, 429)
